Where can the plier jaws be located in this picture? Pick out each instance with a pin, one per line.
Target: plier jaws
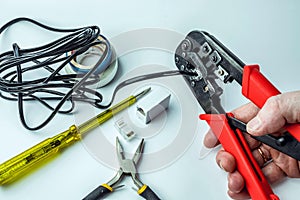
(128, 165)
(127, 168)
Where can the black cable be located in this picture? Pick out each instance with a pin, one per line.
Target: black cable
(16, 63)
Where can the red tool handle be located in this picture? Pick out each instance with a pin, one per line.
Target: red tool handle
(235, 143)
(258, 89)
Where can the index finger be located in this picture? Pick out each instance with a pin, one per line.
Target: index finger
(244, 113)
(210, 140)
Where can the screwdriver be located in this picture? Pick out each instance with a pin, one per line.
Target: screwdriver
(22, 163)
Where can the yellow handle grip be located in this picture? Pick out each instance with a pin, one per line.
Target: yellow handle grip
(23, 162)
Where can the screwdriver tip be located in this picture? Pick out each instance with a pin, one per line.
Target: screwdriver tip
(141, 94)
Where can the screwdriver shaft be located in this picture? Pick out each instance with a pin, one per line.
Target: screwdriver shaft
(106, 115)
(22, 163)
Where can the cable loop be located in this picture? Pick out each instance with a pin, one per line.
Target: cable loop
(16, 64)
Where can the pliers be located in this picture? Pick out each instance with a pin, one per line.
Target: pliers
(214, 66)
(127, 167)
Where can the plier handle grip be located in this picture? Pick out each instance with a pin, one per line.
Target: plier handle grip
(216, 66)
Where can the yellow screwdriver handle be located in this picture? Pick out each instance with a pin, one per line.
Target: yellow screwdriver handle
(22, 163)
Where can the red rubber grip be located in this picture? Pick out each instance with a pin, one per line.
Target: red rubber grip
(258, 89)
(235, 143)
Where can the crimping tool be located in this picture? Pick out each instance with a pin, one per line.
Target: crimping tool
(215, 65)
(127, 167)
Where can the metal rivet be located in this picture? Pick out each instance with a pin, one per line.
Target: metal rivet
(206, 89)
(182, 67)
(193, 83)
(214, 59)
(221, 72)
(186, 45)
(280, 141)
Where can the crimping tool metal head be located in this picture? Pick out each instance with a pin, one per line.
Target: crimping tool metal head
(202, 54)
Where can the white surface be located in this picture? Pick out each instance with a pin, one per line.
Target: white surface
(264, 32)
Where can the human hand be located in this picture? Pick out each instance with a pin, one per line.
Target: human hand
(277, 111)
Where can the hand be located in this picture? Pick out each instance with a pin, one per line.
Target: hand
(277, 111)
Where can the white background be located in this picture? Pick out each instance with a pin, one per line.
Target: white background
(262, 32)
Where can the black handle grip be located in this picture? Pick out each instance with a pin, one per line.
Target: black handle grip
(286, 143)
(148, 194)
(98, 193)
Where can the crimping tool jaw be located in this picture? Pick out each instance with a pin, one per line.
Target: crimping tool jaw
(207, 56)
(214, 64)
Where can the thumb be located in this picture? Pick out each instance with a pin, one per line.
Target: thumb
(277, 111)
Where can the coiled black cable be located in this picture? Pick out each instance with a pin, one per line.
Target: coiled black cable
(16, 63)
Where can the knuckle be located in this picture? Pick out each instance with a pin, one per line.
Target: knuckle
(274, 113)
(274, 103)
(292, 169)
(231, 194)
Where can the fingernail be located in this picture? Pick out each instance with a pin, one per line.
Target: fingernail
(232, 184)
(254, 125)
(221, 166)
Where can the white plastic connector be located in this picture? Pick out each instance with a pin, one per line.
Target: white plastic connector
(124, 129)
(152, 105)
